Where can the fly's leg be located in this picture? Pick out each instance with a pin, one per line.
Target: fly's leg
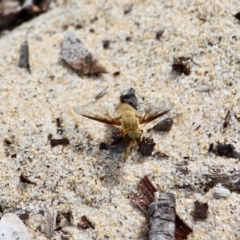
(126, 153)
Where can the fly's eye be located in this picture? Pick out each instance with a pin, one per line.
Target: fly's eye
(137, 136)
(128, 137)
(132, 137)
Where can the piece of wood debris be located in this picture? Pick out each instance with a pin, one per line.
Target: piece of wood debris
(182, 65)
(227, 150)
(22, 214)
(56, 142)
(106, 44)
(227, 119)
(11, 17)
(145, 194)
(85, 223)
(146, 146)
(78, 57)
(200, 211)
(25, 179)
(159, 34)
(116, 74)
(144, 199)
(24, 57)
(231, 182)
(59, 122)
(161, 215)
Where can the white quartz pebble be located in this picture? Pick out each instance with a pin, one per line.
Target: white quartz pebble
(220, 192)
(12, 228)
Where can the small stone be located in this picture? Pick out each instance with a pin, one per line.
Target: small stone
(12, 228)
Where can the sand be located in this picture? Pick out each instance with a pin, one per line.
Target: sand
(86, 181)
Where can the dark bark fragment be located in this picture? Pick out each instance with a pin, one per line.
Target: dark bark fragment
(56, 142)
(231, 182)
(13, 17)
(130, 98)
(200, 211)
(145, 198)
(227, 150)
(182, 65)
(24, 57)
(227, 119)
(161, 214)
(85, 223)
(146, 146)
(25, 179)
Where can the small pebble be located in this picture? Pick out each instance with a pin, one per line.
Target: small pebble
(12, 228)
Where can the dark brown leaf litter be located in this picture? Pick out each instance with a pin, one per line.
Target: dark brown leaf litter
(145, 197)
(200, 211)
(25, 179)
(227, 150)
(164, 126)
(11, 17)
(145, 194)
(146, 146)
(182, 230)
(227, 119)
(85, 223)
(130, 98)
(182, 65)
(24, 57)
(78, 57)
(56, 142)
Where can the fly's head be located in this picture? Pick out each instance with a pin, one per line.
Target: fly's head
(132, 138)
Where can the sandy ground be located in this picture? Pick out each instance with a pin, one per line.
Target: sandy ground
(81, 178)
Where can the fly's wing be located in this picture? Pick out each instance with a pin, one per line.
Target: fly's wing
(100, 113)
(153, 110)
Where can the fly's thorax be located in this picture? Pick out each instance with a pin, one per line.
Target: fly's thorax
(129, 124)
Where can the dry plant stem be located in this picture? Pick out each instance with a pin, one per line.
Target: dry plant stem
(161, 215)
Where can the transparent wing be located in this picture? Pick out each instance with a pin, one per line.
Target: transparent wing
(100, 113)
(153, 110)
